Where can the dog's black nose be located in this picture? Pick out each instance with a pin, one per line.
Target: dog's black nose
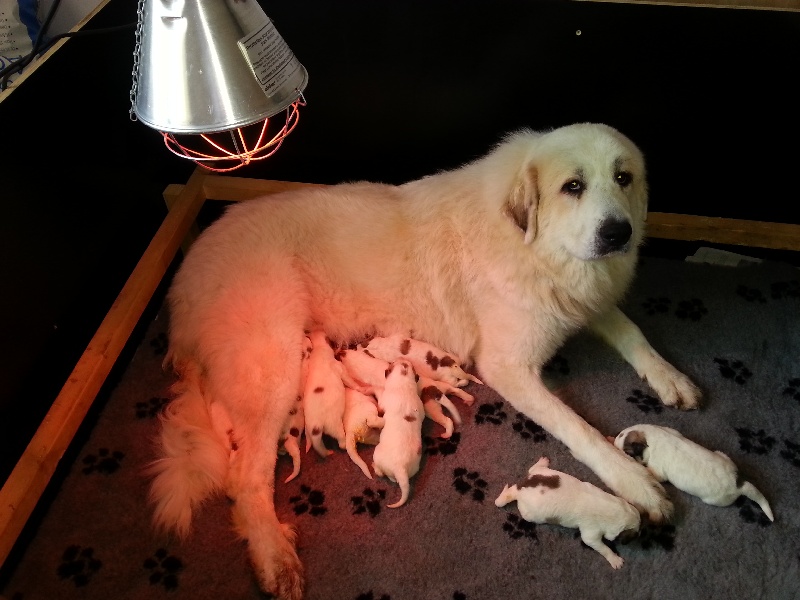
(613, 235)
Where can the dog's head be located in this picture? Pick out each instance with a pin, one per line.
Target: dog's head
(632, 442)
(581, 189)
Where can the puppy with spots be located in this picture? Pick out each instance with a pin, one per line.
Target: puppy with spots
(428, 360)
(553, 497)
(295, 424)
(690, 467)
(399, 451)
(362, 425)
(323, 398)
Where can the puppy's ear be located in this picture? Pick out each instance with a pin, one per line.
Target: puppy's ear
(523, 202)
(634, 445)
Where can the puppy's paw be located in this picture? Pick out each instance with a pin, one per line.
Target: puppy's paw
(673, 387)
(615, 561)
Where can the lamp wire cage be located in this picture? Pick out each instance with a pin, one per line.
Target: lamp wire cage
(226, 150)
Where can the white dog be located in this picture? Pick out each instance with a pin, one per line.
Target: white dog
(553, 497)
(361, 425)
(399, 451)
(496, 262)
(711, 476)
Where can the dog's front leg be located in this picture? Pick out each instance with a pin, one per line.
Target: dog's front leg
(525, 391)
(673, 387)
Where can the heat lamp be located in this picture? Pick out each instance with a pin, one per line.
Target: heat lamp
(216, 79)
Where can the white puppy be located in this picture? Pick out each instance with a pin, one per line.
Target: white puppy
(361, 424)
(399, 451)
(711, 476)
(324, 396)
(553, 497)
(296, 422)
(428, 360)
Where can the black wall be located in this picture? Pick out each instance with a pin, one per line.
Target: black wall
(396, 90)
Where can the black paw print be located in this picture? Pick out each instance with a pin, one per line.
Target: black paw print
(310, 501)
(557, 364)
(793, 388)
(104, 462)
(164, 569)
(656, 305)
(756, 442)
(733, 369)
(159, 344)
(751, 294)
(750, 512)
(466, 482)
(516, 527)
(369, 502)
(650, 535)
(693, 309)
(527, 429)
(459, 596)
(442, 446)
(79, 565)
(792, 453)
(785, 289)
(151, 408)
(490, 412)
(371, 596)
(645, 402)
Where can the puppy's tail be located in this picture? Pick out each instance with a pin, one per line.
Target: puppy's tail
(194, 457)
(749, 490)
(293, 448)
(352, 452)
(405, 488)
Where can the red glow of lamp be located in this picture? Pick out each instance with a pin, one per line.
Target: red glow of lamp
(216, 79)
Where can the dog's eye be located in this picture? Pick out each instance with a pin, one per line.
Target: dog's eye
(623, 178)
(574, 187)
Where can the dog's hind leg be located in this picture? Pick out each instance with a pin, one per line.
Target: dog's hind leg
(595, 541)
(673, 387)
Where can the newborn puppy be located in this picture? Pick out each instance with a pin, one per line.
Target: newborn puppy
(711, 476)
(323, 397)
(399, 451)
(552, 497)
(295, 423)
(428, 360)
(361, 423)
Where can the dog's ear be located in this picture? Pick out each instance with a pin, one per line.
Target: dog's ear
(635, 444)
(523, 202)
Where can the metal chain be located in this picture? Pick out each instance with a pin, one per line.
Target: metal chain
(136, 58)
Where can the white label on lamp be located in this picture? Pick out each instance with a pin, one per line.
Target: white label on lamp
(270, 57)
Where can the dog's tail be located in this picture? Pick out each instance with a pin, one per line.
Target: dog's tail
(352, 452)
(401, 475)
(749, 490)
(194, 457)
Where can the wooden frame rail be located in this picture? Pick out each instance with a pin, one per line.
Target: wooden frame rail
(32, 473)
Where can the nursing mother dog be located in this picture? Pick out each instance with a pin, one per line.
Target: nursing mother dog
(497, 262)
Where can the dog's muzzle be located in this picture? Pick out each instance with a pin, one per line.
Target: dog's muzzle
(612, 236)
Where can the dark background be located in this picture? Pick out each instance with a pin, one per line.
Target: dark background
(396, 91)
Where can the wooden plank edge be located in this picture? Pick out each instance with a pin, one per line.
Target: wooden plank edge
(23, 488)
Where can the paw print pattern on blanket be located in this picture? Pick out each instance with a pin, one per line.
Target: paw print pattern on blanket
(104, 461)
(557, 365)
(309, 501)
(159, 344)
(150, 409)
(792, 388)
(693, 309)
(516, 527)
(733, 369)
(750, 512)
(467, 482)
(653, 306)
(527, 429)
(755, 442)
(785, 289)
(751, 294)
(443, 446)
(79, 564)
(163, 569)
(491, 412)
(645, 402)
(370, 595)
(791, 453)
(651, 535)
(369, 502)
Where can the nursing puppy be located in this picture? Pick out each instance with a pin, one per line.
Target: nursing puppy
(553, 497)
(496, 262)
(295, 424)
(323, 398)
(361, 425)
(711, 476)
(399, 451)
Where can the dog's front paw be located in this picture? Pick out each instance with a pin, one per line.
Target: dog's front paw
(673, 387)
(277, 567)
(637, 485)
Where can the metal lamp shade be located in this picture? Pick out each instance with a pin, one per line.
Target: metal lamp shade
(191, 75)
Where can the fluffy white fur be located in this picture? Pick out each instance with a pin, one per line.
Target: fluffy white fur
(496, 262)
(399, 451)
(553, 497)
(690, 467)
(361, 425)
